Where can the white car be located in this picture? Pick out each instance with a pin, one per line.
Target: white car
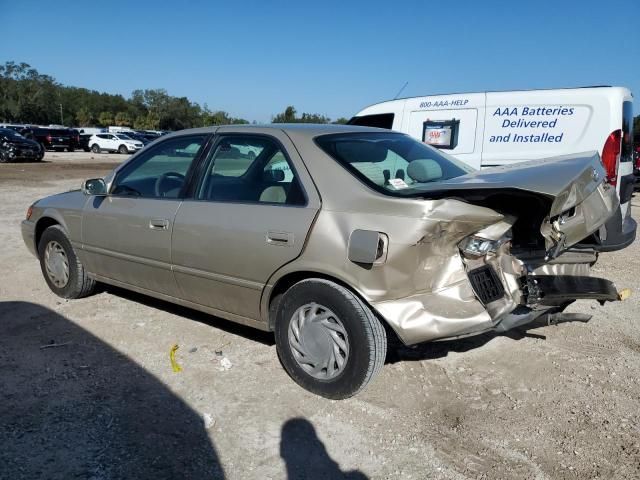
(113, 142)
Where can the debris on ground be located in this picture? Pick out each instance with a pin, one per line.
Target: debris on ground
(225, 364)
(172, 356)
(54, 345)
(208, 421)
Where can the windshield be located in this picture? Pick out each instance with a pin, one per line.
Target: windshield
(7, 132)
(392, 163)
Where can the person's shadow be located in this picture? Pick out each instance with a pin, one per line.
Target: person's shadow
(305, 455)
(73, 407)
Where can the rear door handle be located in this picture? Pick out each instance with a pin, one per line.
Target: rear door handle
(280, 238)
(159, 224)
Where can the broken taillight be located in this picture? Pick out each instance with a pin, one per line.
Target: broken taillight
(611, 156)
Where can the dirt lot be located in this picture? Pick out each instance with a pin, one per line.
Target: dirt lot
(103, 401)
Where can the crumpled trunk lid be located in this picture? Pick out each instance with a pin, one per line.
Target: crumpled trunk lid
(578, 199)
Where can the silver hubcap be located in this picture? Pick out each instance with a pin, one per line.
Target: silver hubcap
(57, 264)
(318, 341)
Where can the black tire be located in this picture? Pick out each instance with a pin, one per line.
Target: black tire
(59, 149)
(123, 150)
(95, 148)
(70, 149)
(86, 149)
(79, 284)
(366, 337)
(4, 157)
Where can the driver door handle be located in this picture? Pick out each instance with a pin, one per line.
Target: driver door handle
(159, 224)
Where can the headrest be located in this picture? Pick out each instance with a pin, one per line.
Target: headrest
(362, 151)
(275, 175)
(424, 170)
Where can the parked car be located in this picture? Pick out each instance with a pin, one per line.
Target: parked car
(27, 133)
(114, 142)
(15, 148)
(136, 136)
(327, 235)
(83, 141)
(58, 139)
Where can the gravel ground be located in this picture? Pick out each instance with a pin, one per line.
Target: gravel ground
(87, 389)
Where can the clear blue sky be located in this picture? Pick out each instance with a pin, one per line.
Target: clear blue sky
(253, 58)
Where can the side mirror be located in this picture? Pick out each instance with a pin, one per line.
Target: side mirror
(95, 187)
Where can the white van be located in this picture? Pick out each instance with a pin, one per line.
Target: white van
(488, 129)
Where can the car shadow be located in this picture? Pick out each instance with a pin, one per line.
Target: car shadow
(398, 352)
(306, 457)
(266, 338)
(71, 406)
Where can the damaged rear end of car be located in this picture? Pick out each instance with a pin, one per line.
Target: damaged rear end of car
(464, 251)
(535, 260)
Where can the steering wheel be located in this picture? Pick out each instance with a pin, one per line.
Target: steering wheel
(163, 177)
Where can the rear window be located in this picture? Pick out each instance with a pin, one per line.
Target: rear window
(392, 163)
(60, 133)
(626, 152)
(382, 120)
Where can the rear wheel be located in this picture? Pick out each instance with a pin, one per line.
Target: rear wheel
(95, 148)
(61, 268)
(4, 157)
(123, 150)
(59, 149)
(328, 340)
(70, 149)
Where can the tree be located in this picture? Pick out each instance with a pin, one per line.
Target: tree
(122, 119)
(105, 119)
(84, 117)
(341, 121)
(288, 116)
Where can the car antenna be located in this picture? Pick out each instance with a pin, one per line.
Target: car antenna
(400, 91)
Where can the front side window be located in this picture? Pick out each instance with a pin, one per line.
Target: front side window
(161, 171)
(392, 163)
(250, 169)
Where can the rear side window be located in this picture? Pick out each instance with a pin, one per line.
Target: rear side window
(626, 151)
(382, 120)
(392, 163)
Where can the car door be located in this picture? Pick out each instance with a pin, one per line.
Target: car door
(249, 215)
(127, 234)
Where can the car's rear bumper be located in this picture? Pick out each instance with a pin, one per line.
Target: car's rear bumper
(29, 236)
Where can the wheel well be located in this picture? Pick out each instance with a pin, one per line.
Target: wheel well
(291, 279)
(41, 226)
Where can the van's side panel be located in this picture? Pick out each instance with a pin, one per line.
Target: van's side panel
(465, 110)
(544, 123)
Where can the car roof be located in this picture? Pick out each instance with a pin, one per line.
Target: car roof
(306, 129)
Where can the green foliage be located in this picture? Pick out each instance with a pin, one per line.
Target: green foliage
(84, 118)
(340, 121)
(105, 119)
(636, 125)
(290, 116)
(122, 119)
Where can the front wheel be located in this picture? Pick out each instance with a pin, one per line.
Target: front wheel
(95, 148)
(123, 150)
(61, 268)
(328, 340)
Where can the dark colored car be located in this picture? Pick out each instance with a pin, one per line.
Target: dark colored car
(58, 139)
(83, 141)
(15, 148)
(137, 136)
